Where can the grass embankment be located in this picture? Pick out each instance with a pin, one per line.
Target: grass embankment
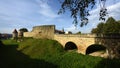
(43, 53)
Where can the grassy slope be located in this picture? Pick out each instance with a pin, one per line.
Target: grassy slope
(39, 53)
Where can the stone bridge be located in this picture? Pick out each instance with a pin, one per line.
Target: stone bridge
(86, 42)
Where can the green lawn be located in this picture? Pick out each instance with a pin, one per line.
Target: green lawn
(44, 53)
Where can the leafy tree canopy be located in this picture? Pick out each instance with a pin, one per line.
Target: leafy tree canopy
(23, 30)
(110, 27)
(110, 20)
(78, 32)
(80, 9)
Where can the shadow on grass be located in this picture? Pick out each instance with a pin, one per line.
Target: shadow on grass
(10, 57)
(108, 63)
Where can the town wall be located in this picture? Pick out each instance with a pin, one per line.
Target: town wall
(44, 31)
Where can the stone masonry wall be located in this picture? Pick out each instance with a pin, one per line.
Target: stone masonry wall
(29, 34)
(44, 31)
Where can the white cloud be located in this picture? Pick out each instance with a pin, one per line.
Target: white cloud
(46, 10)
(114, 11)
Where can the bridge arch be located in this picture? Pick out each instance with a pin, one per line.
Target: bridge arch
(70, 46)
(94, 48)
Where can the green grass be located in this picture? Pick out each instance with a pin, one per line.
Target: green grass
(44, 53)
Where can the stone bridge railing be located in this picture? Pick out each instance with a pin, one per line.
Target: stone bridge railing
(76, 35)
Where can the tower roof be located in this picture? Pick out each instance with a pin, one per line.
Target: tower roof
(15, 31)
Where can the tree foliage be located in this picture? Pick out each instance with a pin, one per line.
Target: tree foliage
(94, 31)
(100, 27)
(23, 29)
(80, 9)
(78, 32)
(110, 27)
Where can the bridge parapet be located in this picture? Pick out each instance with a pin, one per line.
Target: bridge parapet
(75, 35)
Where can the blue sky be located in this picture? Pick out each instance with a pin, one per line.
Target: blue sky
(28, 13)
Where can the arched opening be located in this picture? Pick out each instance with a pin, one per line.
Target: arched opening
(95, 48)
(70, 46)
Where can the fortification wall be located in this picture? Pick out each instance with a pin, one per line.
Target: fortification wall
(44, 31)
(28, 34)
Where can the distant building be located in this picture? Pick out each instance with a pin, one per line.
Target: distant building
(68, 32)
(15, 34)
(5, 36)
(59, 32)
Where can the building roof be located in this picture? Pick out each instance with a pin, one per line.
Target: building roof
(15, 31)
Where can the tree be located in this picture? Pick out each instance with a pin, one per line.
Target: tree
(100, 28)
(69, 32)
(80, 9)
(78, 32)
(110, 20)
(110, 27)
(23, 30)
(94, 31)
